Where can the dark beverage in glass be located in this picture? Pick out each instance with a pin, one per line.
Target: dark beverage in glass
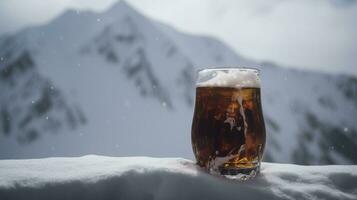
(228, 132)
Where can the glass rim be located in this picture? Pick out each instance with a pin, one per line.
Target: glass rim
(229, 68)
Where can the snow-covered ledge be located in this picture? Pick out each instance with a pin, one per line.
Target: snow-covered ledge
(99, 177)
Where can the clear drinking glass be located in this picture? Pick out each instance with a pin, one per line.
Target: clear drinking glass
(228, 131)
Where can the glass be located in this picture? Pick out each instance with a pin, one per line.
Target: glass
(228, 131)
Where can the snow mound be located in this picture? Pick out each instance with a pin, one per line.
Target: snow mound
(99, 177)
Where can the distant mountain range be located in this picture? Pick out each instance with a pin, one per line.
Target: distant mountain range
(119, 83)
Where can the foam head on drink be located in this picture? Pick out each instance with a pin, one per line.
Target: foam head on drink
(225, 77)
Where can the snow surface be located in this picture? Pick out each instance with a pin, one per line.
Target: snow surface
(99, 177)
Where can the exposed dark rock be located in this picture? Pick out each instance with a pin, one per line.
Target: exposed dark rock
(20, 65)
(272, 124)
(348, 86)
(5, 121)
(29, 136)
(327, 102)
(138, 68)
(44, 104)
(187, 80)
(330, 138)
(32, 106)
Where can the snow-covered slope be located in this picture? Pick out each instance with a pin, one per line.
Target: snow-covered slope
(120, 83)
(98, 177)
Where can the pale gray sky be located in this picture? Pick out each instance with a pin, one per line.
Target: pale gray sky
(313, 34)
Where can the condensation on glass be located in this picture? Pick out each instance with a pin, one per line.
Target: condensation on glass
(228, 132)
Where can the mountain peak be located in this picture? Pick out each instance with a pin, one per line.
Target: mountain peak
(120, 6)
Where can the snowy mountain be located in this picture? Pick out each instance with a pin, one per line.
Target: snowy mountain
(139, 178)
(119, 83)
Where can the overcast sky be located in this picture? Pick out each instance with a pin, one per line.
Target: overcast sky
(313, 34)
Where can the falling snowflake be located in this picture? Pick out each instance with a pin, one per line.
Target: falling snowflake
(163, 104)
